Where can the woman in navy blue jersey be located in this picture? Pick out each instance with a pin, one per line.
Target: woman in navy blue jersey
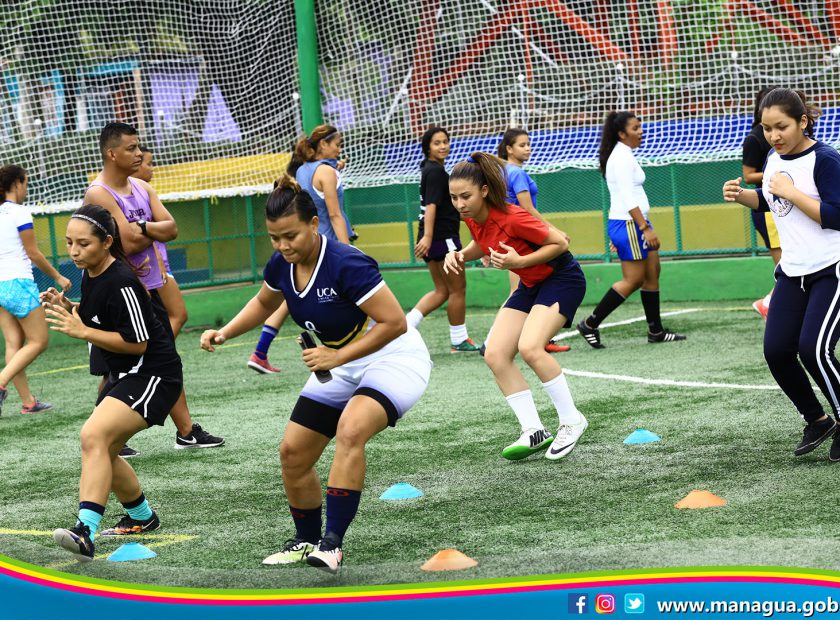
(801, 188)
(379, 368)
(144, 375)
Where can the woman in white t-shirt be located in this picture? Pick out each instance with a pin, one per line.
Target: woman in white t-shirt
(22, 318)
(629, 229)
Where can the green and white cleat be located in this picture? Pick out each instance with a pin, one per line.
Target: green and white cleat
(531, 441)
(293, 551)
(468, 346)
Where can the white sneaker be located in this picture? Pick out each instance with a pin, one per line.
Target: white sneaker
(530, 441)
(293, 551)
(327, 556)
(566, 439)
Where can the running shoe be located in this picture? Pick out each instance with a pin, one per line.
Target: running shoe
(566, 439)
(834, 452)
(328, 555)
(665, 336)
(261, 366)
(76, 540)
(127, 526)
(530, 441)
(127, 452)
(467, 346)
(198, 438)
(553, 347)
(36, 407)
(294, 550)
(592, 335)
(814, 434)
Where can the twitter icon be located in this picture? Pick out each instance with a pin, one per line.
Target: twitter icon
(634, 603)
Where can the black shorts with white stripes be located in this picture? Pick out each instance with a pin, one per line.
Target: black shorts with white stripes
(151, 397)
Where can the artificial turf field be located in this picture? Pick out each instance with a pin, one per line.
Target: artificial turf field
(606, 506)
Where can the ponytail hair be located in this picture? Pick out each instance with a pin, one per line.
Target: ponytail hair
(288, 199)
(794, 104)
(509, 139)
(614, 123)
(306, 147)
(102, 225)
(9, 175)
(484, 169)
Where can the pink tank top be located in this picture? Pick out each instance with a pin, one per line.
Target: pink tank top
(137, 207)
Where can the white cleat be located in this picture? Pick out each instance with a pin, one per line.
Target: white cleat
(327, 556)
(293, 551)
(566, 439)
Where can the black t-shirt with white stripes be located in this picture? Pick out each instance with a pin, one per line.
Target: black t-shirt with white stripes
(116, 301)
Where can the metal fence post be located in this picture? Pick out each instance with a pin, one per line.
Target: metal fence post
(677, 222)
(252, 236)
(53, 242)
(409, 221)
(208, 235)
(605, 212)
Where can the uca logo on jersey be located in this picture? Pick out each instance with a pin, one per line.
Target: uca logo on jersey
(325, 295)
(781, 206)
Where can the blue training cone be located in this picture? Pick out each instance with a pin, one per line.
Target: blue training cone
(641, 435)
(401, 490)
(130, 552)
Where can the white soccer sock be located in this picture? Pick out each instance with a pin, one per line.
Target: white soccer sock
(523, 406)
(558, 391)
(414, 317)
(458, 333)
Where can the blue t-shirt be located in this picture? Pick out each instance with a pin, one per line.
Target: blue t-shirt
(304, 177)
(344, 277)
(519, 181)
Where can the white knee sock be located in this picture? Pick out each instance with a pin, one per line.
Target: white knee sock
(414, 317)
(458, 333)
(558, 391)
(523, 406)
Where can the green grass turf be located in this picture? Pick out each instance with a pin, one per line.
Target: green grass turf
(606, 506)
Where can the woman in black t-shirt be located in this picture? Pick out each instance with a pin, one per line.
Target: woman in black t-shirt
(439, 233)
(755, 151)
(144, 381)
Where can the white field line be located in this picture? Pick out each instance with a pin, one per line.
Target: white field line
(573, 332)
(667, 382)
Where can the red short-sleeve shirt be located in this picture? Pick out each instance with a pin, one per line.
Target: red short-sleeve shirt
(518, 229)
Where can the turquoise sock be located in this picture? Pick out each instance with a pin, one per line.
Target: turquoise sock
(90, 514)
(139, 509)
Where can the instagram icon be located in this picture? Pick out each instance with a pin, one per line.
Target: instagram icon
(605, 604)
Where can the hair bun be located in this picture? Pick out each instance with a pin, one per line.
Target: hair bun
(286, 181)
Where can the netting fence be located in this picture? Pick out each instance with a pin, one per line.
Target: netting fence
(213, 87)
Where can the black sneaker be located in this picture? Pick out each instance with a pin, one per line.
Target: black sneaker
(126, 452)
(127, 526)
(76, 540)
(665, 336)
(3, 395)
(834, 452)
(592, 335)
(814, 434)
(198, 438)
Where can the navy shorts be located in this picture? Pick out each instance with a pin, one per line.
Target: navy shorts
(441, 247)
(628, 239)
(566, 287)
(151, 397)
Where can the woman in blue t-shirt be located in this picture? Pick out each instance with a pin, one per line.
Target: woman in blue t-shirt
(376, 368)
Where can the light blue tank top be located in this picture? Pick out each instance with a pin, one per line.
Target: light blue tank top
(304, 176)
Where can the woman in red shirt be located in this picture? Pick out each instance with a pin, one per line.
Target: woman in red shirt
(551, 288)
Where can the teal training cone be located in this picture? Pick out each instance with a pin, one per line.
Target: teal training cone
(130, 552)
(401, 490)
(641, 435)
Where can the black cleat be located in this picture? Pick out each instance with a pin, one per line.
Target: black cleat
(127, 452)
(3, 395)
(592, 335)
(814, 434)
(665, 336)
(198, 438)
(834, 452)
(127, 526)
(76, 540)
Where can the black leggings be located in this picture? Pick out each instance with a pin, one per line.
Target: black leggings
(804, 321)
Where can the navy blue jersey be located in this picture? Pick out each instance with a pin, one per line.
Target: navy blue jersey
(344, 278)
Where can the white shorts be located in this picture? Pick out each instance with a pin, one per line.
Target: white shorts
(399, 371)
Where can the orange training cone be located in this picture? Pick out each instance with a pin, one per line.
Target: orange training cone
(448, 559)
(700, 499)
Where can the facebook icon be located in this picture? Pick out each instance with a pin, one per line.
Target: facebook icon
(578, 603)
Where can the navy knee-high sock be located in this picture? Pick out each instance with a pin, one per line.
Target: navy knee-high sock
(307, 523)
(342, 505)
